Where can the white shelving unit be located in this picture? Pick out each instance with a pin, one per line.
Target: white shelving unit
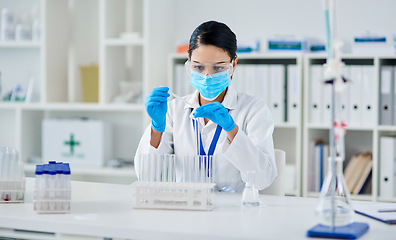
(90, 34)
(287, 136)
(359, 138)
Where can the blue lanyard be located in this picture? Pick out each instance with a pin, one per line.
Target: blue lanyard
(212, 144)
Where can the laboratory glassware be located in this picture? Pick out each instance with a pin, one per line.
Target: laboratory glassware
(199, 168)
(156, 167)
(334, 207)
(250, 195)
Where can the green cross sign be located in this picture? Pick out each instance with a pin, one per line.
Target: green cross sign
(72, 143)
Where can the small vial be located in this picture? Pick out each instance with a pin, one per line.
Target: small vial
(59, 186)
(44, 191)
(39, 187)
(67, 187)
(250, 195)
(51, 187)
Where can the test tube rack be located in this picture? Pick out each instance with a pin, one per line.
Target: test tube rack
(173, 195)
(52, 201)
(52, 193)
(12, 191)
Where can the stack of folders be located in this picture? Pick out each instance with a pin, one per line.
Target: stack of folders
(278, 85)
(387, 166)
(357, 100)
(318, 164)
(387, 95)
(357, 173)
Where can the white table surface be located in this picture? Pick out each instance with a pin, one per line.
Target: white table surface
(105, 210)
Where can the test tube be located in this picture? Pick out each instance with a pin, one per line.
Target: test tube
(51, 187)
(44, 191)
(67, 186)
(59, 185)
(4, 173)
(39, 187)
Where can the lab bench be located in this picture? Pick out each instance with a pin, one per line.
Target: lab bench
(100, 210)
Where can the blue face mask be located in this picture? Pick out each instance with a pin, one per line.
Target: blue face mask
(210, 86)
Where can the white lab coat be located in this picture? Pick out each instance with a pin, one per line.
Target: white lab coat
(251, 149)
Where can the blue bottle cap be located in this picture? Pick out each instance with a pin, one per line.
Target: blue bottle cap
(52, 170)
(45, 168)
(39, 170)
(52, 162)
(66, 169)
(59, 168)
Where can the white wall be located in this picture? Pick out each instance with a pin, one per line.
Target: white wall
(175, 20)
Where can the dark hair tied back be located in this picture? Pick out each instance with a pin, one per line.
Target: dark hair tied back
(216, 34)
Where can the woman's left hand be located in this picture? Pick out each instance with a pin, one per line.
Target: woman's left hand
(217, 113)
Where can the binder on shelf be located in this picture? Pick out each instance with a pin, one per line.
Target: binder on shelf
(90, 83)
(358, 163)
(355, 100)
(368, 98)
(386, 96)
(317, 164)
(239, 78)
(293, 94)
(249, 80)
(387, 166)
(263, 82)
(178, 81)
(277, 98)
(319, 169)
(315, 94)
(326, 104)
(311, 168)
(368, 161)
(345, 96)
(394, 95)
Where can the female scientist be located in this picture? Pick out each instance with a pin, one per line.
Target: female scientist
(236, 128)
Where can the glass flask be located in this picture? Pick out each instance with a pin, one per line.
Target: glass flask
(250, 195)
(334, 207)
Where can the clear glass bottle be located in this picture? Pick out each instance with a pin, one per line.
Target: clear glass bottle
(250, 195)
(334, 207)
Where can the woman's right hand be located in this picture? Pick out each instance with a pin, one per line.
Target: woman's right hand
(157, 106)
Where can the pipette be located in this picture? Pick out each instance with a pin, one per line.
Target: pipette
(180, 98)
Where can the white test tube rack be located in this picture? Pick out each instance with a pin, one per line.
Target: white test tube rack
(173, 195)
(12, 191)
(12, 176)
(52, 193)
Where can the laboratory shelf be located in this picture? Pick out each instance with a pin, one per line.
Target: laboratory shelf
(94, 107)
(72, 107)
(124, 42)
(382, 199)
(349, 128)
(125, 175)
(103, 171)
(26, 44)
(386, 128)
(270, 55)
(286, 125)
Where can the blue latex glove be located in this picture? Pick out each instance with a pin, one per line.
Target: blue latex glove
(157, 106)
(217, 113)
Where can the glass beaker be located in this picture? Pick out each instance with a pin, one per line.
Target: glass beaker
(334, 207)
(250, 195)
